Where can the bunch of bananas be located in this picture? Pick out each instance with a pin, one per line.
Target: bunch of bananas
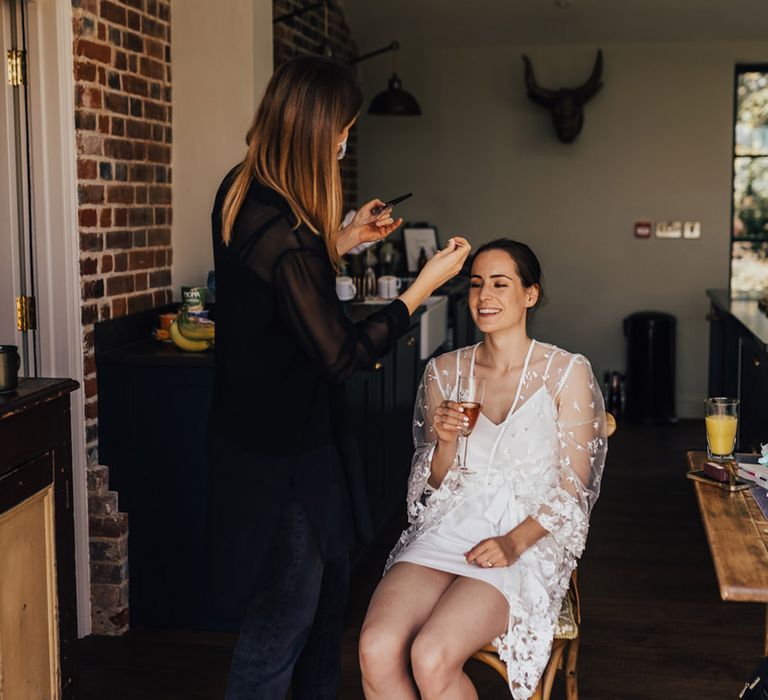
(191, 333)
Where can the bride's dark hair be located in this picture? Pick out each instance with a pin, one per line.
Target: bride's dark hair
(528, 266)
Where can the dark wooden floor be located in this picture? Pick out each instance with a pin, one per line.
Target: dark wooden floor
(654, 627)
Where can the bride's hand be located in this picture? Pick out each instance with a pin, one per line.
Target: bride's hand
(449, 420)
(495, 552)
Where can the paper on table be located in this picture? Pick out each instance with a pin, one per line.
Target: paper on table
(761, 498)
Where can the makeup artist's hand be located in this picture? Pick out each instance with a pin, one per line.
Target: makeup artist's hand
(446, 263)
(367, 226)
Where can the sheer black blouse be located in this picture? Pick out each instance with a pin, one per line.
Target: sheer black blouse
(282, 338)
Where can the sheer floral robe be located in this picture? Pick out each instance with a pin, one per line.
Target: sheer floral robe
(546, 463)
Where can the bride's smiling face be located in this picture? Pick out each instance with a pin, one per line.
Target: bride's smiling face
(497, 298)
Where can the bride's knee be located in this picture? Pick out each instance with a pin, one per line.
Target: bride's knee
(381, 648)
(432, 661)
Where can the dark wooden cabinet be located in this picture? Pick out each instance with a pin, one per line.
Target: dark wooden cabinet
(738, 364)
(38, 609)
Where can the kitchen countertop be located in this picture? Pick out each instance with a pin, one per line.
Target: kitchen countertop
(746, 312)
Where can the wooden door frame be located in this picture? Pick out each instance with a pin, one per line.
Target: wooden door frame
(54, 159)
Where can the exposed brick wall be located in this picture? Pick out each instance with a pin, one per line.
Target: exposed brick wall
(121, 63)
(306, 34)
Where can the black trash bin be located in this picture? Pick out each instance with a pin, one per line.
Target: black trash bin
(650, 381)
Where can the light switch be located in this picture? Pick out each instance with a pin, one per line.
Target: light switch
(692, 229)
(669, 229)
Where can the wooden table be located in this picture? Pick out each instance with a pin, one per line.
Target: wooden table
(737, 534)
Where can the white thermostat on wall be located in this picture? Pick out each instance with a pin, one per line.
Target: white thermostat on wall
(692, 229)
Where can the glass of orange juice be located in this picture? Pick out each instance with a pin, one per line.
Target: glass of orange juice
(721, 417)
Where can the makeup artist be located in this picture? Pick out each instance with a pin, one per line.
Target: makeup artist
(283, 504)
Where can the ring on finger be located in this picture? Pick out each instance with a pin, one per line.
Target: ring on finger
(489, 564)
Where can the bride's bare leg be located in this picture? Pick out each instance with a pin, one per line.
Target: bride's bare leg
(470, 614)
(403, 600)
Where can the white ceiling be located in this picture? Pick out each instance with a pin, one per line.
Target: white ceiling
(453, 23)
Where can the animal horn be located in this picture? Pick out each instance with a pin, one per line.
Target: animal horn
(541, 96)
(589, 89)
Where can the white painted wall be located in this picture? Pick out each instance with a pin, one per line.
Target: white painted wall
(222, 60)
(483, 161)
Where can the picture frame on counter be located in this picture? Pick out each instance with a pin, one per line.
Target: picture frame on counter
(415, 239)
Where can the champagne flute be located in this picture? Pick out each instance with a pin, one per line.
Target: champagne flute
(471, 390)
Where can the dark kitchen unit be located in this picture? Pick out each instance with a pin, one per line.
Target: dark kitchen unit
(738, 363)
(153, 405)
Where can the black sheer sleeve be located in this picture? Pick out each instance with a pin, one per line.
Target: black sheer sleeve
(306, 294)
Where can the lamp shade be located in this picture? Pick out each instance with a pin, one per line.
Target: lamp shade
(395, 101)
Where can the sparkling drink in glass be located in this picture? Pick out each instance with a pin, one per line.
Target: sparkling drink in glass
(471, 390)
(721, 418)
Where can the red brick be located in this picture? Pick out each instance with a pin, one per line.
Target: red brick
(115, 102)
(102, 31)
(139, 239)
(142, 302)
(103, 123)
(160, 297)
(118, 126)
(119, 284)
(158, 154)
(118, 307)
(117, 240)
(112, 13)
(104, 312)
(160, 195)
(88, 266)
(105, 218)
(88, 315)
(102, 76)
(152, 28)
(161, 278)
(134, 20)
(141, 281)
(91, 242)
(141, 198)
(140, 259)
(138, 130)
(87, 97)
(122, 194)
(141, 172)
(159, 258)
(135, 85)
(151, 69)
(139, 151)
(106, 263)
(154, 49)
(153, 110)
(90, 49)
(88, 144)
(91, 387)
(158, 237)
(113, 526)
(87, 218)
(86, 170)
(89, 365)
(85, 71)
(121, 217)
(119, 149)
(121, 60)
(121, 262)
(90, 194)
(85, 120)
(92, 408)
(93, 289)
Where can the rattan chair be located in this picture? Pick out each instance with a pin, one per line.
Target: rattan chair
(565, 646)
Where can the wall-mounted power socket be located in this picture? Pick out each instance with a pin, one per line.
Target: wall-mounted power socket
(669, 229)
(692, 229)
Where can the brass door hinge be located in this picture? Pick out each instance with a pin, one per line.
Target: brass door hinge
(17, 67)
(26, 314)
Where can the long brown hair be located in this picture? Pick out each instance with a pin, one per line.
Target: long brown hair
(291, 144)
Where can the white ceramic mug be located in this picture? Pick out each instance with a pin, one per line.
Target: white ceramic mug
(345, 288)
(389, 286)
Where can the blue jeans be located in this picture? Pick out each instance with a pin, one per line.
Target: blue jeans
(291, 634)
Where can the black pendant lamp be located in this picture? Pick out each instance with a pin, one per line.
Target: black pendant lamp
(394, 101)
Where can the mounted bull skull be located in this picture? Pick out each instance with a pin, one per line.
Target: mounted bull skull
(567, 105)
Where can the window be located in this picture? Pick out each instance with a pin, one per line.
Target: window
(749, 231)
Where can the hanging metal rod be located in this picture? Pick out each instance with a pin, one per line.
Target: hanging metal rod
(394, 46)
(300, 11)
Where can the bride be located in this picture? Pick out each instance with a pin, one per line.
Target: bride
(490, 548)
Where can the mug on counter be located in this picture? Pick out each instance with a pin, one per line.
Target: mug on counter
(10, 361)
(345, 288)
(389, 286)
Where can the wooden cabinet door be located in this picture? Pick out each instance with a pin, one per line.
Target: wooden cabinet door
(29, 654)
(753, 390)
